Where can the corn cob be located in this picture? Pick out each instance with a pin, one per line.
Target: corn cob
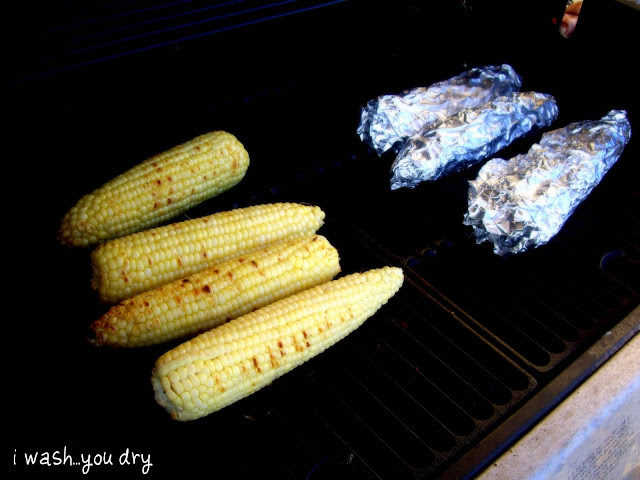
(230, 362)
(218, 294)
(156, 190)
(139, 262)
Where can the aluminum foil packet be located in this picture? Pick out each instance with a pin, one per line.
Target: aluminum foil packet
(390, 119)
(470, 136)
(522, 203)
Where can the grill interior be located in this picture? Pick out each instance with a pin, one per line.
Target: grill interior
(469, 354)
(56, 38)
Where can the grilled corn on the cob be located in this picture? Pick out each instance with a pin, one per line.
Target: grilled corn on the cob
(157, 189)
(220, 293)
(232, 361)
(139, 262)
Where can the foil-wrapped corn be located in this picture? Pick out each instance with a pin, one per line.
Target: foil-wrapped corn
(522, 203)
(390, 119)
(470, 136)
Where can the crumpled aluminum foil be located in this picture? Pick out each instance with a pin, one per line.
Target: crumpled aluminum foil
(522, 203)
(390, 119)
(470, 136)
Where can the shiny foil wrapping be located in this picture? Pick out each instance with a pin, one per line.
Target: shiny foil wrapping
(469, 136)
(522, 203)
(390, 119)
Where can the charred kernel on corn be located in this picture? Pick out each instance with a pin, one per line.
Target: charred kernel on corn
(157, 190)
(139, 262)
(211, 297)
(240, 357)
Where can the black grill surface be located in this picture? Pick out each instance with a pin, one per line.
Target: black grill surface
(471, 352)
(55, 38)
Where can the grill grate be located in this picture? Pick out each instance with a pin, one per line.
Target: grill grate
(452, 357)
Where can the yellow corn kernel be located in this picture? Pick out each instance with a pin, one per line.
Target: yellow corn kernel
(218, 294)
(157, 190)
(234, 360)
(139, 262)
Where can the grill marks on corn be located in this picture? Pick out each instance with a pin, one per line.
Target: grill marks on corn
(216, 295)
(157, 189)
(238, 358)
(130, 265)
